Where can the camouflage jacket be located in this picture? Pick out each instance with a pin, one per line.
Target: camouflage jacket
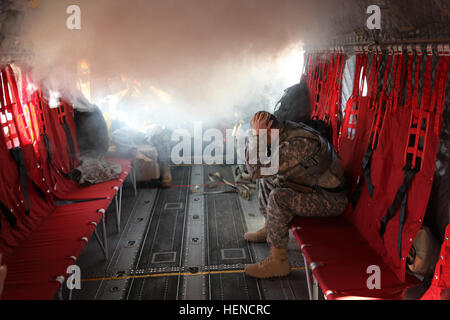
(306, 160)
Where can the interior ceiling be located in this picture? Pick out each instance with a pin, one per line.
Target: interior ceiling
(9, 15)
(402, 20)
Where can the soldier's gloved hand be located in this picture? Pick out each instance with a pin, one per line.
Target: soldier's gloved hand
(260, 121)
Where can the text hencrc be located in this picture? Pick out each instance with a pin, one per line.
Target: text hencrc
(231, 310)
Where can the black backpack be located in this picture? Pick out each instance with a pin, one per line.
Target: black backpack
(321, 127)
(294, 105)
(92, 132)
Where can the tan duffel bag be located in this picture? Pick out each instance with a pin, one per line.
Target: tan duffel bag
(424, 253)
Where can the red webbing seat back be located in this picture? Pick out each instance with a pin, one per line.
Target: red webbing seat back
(10, 196)
(362, 124)
(46, 150)
(419, 161)
(22, 176)
(324, 80)
(315, 81)
(353, 148)
(352, 106)
(335, 97)
(402, 166)
(67, 122)
(63, 145)
(30, 95)
(389, 152)
(360, 113)
(58, 117)
(25, 136)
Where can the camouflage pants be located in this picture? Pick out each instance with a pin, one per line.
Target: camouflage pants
(281, 205)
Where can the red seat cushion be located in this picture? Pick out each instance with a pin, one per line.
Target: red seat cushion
(323, 231)
(45, 255)
(105, 190)
(342, 257)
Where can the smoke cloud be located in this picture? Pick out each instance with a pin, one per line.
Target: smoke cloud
(184, 60)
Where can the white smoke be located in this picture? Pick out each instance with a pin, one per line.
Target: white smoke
(183, 60)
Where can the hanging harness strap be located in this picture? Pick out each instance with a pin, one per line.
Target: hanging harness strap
(48, 144)
(42, 121)
(407, 79)
(354, 197)
(397, 77)
(438, 99)
(416, 148)
(377, 102)
(317, 81)
(401, 196)
(335, 101)
(312, 62)
(17, 155)
(403, 77)
(373, 80)
(331, 88)
(372, 94)
(306, 67)
(70, 143)
(18, 158)
(376, 130)
(9, 216)
(68, 133)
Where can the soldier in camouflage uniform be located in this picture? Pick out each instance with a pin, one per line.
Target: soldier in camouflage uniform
(160, 138)
(310, 183)
(128, 140)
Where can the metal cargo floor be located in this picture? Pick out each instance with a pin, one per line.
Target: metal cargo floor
(178, 244)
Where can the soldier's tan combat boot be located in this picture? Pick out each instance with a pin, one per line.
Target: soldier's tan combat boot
(259, 236)
(166, 176)
(276, 265)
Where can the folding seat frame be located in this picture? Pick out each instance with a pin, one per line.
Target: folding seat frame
(103, 241)
(118, 196)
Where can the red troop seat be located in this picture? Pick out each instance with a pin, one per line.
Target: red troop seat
(388, 144)
(39, 239)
